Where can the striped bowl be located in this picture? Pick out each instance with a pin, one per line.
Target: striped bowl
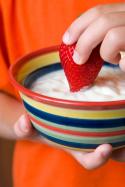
(71, 124)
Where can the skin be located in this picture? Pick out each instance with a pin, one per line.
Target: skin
(17, 126)
(110, 21)
(102, 24)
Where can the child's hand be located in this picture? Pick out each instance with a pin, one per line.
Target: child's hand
(92, 160)
(14, 125)
(98, 157)
(95, 159)
(23, 128)
(104, 24)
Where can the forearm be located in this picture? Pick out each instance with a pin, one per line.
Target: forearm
(10, 111)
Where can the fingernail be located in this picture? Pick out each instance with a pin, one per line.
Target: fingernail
(106, 153)
(122, 64)
(76, 57)
(66, 38)
(23, 124)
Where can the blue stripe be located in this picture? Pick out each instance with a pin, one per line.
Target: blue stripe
(73, 122)
(77, 145)
(41, 72)
(48, 69)
(111, 65)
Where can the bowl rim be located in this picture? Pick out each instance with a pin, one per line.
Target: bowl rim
(47, 99)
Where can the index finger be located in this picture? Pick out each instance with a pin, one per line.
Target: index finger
(81, 23)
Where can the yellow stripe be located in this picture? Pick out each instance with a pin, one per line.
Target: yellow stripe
(37, 63)
(90, 114)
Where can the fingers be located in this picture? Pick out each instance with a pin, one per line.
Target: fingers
(23, 128)
(94, 159)
(91, 28)
(119, 155)
(122, 64)
(115, 41)
(95, 34)
(80, 24)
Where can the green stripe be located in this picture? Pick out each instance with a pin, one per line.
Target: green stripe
(77, 128)
(71, 138)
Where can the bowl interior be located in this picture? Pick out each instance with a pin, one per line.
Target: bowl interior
(29, 64)
(34, 64)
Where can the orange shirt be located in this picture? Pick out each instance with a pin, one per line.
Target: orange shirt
(27, 25)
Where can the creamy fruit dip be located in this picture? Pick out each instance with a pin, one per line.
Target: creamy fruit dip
(108, 86)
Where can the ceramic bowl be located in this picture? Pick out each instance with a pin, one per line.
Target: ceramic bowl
(71, 124)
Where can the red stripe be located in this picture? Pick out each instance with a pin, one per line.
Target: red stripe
(77, 133)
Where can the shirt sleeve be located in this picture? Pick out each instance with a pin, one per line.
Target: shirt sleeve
(5, 85)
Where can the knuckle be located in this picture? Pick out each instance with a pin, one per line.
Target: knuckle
(98, 10)
(113, 36)
(104, 19)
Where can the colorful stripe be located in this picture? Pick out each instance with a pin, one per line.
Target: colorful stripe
(79, 139)
(77, 145)
(36, 63)
(86, 114)
(74, 148)
(78, 133)
(77, 129)
(83, 123)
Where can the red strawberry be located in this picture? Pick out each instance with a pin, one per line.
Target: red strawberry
(79, 76)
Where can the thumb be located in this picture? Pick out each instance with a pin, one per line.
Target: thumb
(95, 159)
(122, 63)
(23, 127)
